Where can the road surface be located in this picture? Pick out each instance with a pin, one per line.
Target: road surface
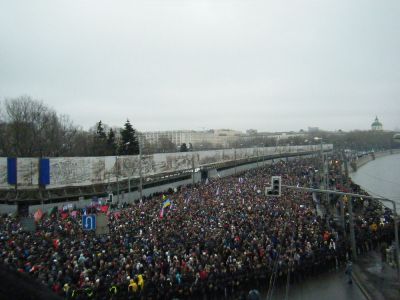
(329, 286)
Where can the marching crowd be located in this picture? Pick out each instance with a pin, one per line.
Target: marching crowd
(216, 238)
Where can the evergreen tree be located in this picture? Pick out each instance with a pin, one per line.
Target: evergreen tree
(100, 140)
(184, 148)
(129, 144)
(100, 131)
(111, 143)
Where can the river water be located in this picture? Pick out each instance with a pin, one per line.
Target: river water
(381, 177)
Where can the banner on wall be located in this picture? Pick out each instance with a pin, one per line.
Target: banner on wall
(12, 170)
(44, 171)
(62, 172)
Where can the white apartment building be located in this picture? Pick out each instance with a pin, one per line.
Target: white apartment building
(214, 137)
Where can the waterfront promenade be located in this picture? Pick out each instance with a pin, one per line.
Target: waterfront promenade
(377, 279)
(374, 272)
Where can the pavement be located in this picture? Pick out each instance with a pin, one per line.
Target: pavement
(377, 280)
(330, 285)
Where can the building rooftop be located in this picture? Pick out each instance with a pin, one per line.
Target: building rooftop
(376, 122)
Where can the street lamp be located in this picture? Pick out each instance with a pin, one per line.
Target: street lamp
(396, 231)
(323, 164)
(257, 157)
(117, 174)
(321, 149)
(129, 175)
(140, 188)
(235, 159)
(262, 153)
(277, 145)
(140, 167)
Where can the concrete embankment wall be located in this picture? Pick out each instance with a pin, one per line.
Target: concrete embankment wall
(134, 196)
(123, 197)
(367, 158)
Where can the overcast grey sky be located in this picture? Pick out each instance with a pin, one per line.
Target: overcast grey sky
(186, 64)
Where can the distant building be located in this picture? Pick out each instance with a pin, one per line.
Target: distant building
(217, 137)
(286, 135)
(251, 131)
(376, 125)
(313, 129)
(177, 137)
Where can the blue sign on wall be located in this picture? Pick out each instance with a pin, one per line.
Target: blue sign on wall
(12, 170)
(44, 171)
(89, 222)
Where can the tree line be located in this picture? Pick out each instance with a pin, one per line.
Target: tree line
(29, 128)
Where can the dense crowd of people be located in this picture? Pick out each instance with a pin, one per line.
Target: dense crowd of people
(215, 238)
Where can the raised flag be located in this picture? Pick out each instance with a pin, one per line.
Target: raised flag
(52, 211)
(38, 215)
(64, 215)
(56, 244)
(104, 208)
(161, 213)
(166, 203)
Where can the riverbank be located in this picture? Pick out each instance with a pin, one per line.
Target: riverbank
(370, 157)
(377, 277)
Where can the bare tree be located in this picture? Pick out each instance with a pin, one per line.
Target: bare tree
(33, 129)
(23, 125)
(81, 143)
(166, 145)
(2, 132)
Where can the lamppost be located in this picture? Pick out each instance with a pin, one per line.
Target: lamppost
(352, 237)
(140, 188)
(235, 159)
(396, 232)
(140, 167)
(193, 170)
(263, 154)
(257, 158)
(117, 175)
(130, 174)
(324, 167)
(277, 144)
(396, 140)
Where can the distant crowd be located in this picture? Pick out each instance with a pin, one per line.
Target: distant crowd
(216, 238)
